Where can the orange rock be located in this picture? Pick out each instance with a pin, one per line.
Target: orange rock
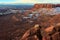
(49, 29)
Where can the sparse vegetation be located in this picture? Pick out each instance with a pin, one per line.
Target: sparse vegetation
(13, 26)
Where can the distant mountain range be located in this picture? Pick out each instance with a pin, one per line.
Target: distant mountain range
(16, 6)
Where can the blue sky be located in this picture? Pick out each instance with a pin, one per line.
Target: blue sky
(6, 0)
(28, 1)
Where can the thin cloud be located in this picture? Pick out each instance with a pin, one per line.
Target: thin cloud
(27, 1)
(32, 1)
(37, 1)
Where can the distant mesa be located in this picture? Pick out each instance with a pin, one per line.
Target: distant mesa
(37, 6)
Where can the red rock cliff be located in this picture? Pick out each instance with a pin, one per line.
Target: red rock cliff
(37, 6)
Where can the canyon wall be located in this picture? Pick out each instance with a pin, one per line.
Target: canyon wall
(37, 6)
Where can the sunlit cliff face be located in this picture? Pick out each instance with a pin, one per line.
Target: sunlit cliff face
(43, 6)
(37, 6)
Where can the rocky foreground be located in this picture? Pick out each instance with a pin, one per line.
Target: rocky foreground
(12, 27)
